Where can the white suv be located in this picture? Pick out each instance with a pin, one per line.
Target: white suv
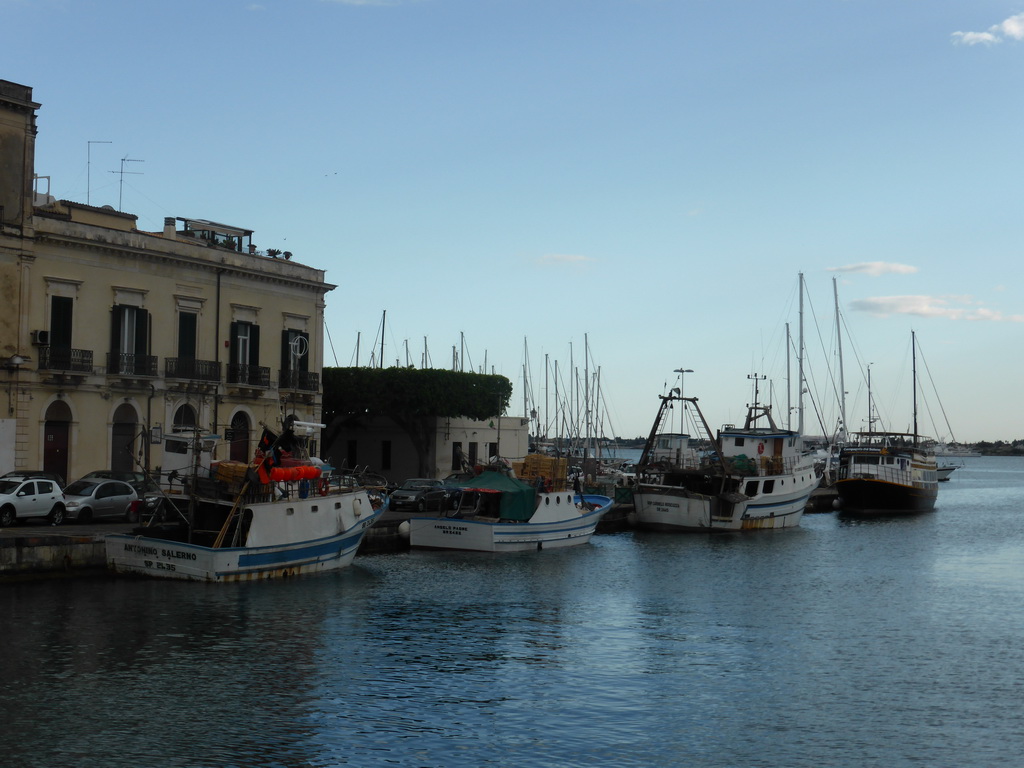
(25, 497)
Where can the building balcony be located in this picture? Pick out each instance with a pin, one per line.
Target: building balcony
(249, 375)
(60, 360)
(302, 381)
(192, 370)
(128, 364)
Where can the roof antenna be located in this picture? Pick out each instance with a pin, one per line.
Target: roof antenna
(122, 172)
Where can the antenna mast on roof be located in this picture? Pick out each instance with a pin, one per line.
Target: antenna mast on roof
(122, 172)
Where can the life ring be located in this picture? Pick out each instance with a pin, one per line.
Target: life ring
(760, 448)
(324, 485)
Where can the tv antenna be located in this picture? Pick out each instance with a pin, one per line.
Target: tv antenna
(122, 172)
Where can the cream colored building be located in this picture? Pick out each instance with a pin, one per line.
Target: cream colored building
(112, 338)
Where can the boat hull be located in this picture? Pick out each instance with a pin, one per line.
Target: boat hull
(285, 539)
(667, 508)
(869, 497)
(487, 535)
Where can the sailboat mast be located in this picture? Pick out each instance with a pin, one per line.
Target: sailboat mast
(586, 393)
(789, 385)
(839, 348)
(913, 351)
(800, 364)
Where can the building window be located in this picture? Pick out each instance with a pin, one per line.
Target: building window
(473, 448)
(456, 457)
(129, 341)
(60, 321)
(185, 419)
(188, 323)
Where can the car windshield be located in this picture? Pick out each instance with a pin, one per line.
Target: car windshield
(7, 486)
(80, 488)
(415, 485)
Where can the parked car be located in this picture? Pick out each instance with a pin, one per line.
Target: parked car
(28, 497)
(93, 498)
(137, 480)
(419, 494)
(38, 474)
(153, 500)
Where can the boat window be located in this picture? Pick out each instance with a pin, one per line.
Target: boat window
(865, 459)
(769, 486)
(739, 442)
(751, 489)
(314, 508)
(547, 499)
(558, 499)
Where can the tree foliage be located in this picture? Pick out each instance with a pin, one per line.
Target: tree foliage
(413, 393)
(413, 399)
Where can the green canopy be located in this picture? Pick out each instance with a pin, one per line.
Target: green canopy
(518, 499)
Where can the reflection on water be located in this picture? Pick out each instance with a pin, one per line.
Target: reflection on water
(883, 642)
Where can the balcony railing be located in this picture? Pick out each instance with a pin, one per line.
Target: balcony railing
(193, 370)
(304, 381)
(249, 375)
(128, 364)
(60, 359)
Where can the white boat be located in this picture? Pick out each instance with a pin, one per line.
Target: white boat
(498, 513)
(754, 477)
(298, 522)
(945, 471)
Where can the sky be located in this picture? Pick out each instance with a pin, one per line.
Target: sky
(613, 189)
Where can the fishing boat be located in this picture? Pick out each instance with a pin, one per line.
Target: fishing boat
(887, 473)
(754, 477)
(280, 516)
(493, 512)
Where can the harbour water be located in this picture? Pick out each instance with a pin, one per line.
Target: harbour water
(893, 642)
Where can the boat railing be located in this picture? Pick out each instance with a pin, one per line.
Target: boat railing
(763, 466)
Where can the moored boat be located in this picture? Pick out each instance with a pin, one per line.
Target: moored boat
(498, 513)
(887, 473)
(297, 522)
(748, 478)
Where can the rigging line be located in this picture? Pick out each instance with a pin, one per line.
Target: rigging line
(331, 342)
(942, 408)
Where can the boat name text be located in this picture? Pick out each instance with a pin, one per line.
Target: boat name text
(176, 554)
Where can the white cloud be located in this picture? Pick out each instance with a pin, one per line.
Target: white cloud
(949, 307)
(1011, 28)
(876, 268)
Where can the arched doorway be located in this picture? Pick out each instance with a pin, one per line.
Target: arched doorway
(57, 439)
(240, 433)
(122, 439)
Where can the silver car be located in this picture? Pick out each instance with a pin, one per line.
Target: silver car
(86, 500)
(26, 497)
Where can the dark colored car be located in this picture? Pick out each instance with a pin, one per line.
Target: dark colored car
(39, 475)
(419, 494)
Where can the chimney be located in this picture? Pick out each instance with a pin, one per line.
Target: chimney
(169, 228)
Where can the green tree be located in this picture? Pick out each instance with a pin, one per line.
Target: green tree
(413, 399)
